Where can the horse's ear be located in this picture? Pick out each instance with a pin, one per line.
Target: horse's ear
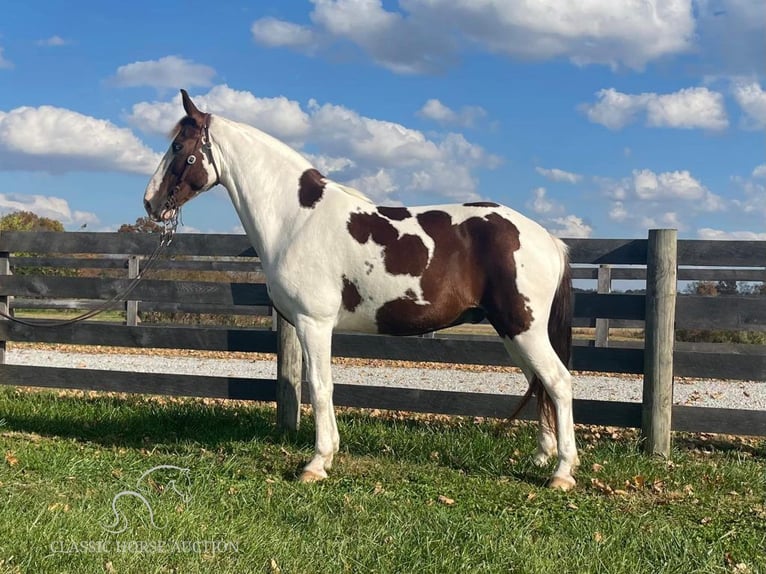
(190, 109)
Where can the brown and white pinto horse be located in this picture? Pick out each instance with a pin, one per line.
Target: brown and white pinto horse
(332, 259)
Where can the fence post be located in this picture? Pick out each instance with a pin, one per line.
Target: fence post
(604, 286)
(5, 307)
(289, 371)
(131, 307)
(661, 287)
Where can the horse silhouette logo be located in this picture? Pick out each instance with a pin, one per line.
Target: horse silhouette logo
(152, 479)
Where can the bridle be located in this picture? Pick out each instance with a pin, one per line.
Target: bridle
(204, 146)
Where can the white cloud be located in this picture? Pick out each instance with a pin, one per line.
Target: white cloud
(467, 116)
(5, 64)
(669, 199)
(541, 204)
(280, 117)
(570, 226)
(648, 186)
(753, 200)
(688, 108)
(429, 34)
(167, 72)
(752, 99)
(760, 171)
(709, 233)
(394, 161)
(53, 41)
(555, 174)
(46, 206)
(59, 140)
(279, 33)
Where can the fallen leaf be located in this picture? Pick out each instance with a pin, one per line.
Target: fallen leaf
(531, 496)
(445, 500)
(11, 459)
(572, 506)
(109, 567)
(706, 520)
(274, 567)
(378, 488)
(597, 467)
(598, 537)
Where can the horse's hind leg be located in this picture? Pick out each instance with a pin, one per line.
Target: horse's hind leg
(533, 349)
(316, 338)
(546, 432)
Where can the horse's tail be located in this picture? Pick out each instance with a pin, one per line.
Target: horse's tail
(560, 336)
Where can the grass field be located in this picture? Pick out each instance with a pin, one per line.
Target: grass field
(407, 494)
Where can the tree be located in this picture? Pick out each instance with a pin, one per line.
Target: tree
(142, 225)
(28, 221)
(702, 288)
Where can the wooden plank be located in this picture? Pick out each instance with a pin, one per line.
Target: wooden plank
(145, 336)
(706, 253)
(136, 382)
(744, 367)
(611, 306)
(690, 419)
(476, 404)
(736, 312)
(613, 251)
(684, 274)
(727, 421)
(207, 292)
(209, 244)
(661, 281)
(244, 265)
(608, 359)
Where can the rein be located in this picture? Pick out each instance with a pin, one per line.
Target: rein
(166, 238)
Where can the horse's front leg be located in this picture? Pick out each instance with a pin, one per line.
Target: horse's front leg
(316, 337)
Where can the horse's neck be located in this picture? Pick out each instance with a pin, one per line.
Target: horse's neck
(261, 175)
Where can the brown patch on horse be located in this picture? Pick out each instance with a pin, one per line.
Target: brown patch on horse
(350, 295)
(482, 204)
(310, 188)
(395, 213)
(472, 268)
(402, 255)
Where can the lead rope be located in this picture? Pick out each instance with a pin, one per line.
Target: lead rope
(166, 238)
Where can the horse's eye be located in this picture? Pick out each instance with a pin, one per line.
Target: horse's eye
(177, 147)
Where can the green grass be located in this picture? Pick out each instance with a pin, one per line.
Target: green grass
(66, 457)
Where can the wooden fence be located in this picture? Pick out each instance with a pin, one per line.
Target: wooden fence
(655, 260)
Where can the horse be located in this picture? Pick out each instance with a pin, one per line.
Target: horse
(334, 260)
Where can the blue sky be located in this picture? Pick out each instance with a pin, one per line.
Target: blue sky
(598, 118)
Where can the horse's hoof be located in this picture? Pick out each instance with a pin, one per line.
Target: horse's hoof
(309, 476)
(562, 483)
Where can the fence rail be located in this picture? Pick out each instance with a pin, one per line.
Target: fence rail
(606, 259)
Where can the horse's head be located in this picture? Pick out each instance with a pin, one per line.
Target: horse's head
(186, 170)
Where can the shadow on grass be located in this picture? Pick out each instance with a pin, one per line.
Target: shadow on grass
(136, 422)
